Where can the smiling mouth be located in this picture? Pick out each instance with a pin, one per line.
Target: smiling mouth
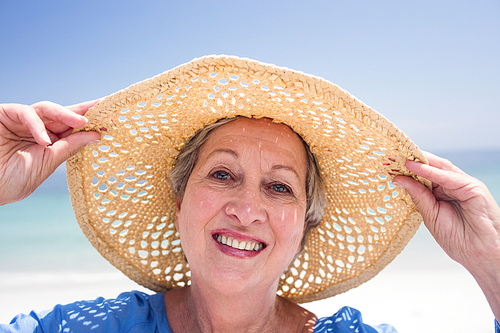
(235, 244)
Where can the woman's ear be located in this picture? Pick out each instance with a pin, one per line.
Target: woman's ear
(299, 248)
(178, 203)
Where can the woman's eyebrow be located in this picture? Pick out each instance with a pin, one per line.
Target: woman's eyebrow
(286, 167)
(224, 150)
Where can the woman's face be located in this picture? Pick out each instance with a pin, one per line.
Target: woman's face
(241, 219)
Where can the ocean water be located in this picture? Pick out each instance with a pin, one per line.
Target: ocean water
(40, 233)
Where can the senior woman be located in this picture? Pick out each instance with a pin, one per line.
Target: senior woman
(281, 194)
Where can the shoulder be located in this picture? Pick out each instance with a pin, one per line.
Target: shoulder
(349, 320)
(129, 312)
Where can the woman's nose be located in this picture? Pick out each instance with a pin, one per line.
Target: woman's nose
(247, 206)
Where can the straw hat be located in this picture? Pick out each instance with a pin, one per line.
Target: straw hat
(125, 207)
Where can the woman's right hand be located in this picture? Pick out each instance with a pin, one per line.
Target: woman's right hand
(34, 141)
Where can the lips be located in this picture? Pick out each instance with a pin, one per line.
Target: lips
(238, 244)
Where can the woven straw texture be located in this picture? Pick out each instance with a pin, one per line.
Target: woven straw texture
(125, 207)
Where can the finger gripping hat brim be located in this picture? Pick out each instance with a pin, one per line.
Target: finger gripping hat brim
(125, 207)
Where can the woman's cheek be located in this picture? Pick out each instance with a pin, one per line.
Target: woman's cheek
(208, 202)
(292, 227)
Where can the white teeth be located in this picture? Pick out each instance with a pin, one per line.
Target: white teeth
(234, 243)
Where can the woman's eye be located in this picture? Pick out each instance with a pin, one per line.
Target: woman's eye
(280, 188)
(221, 175)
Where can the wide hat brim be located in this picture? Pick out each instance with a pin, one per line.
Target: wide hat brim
(125, 207)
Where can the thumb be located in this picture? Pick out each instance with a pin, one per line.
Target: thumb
(64, 148)
(422, 197)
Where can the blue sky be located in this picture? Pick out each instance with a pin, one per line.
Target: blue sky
(431, 67)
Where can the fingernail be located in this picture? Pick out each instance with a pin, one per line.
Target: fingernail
(46, 138)
(92, 142)
(84, 119)
(398, 185)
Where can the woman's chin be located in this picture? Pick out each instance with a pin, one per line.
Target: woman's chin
(233, 282)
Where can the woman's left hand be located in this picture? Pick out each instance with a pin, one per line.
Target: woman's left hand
(463, 217)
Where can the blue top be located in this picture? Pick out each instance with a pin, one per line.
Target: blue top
(138, 312)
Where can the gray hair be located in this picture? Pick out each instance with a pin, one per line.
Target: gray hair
(186, 160)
